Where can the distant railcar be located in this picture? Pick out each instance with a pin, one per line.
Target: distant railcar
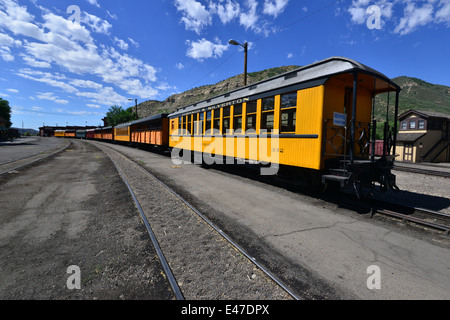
(70, 133)
(122, 132)
(107, 133)
(152, 130)
(59, 133)
(80, 134)
(98, 133)
(90, 134)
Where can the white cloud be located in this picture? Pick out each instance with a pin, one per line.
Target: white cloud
(94, 3)
(290, 55)
(416, 14)
(93, 106)
(95, 23)
(13, 90)
(113, 16)
(443, 12)
(195, 16)
(203, 49)
(85, 113)
(86, 84)
(51, 97)
(6, 40)
(414, 17)
(122, 44)
(54, 80)
(5, 53)
(274, 7)
(59, 43)
(35, 63)
(249, 19)
(134, 43)
(179, 66)
(227, 11)
(248, 13)
(105, 96)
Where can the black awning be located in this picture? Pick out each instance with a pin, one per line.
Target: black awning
(409, 136)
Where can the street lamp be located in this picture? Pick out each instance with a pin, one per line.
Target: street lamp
(135, 100)
(245, 46)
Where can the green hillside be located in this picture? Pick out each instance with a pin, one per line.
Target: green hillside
(416, 94)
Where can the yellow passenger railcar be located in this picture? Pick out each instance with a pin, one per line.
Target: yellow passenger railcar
(315, 121)
(59, 133)
(122, 132)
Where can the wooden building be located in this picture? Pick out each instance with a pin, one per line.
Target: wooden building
(423, 137)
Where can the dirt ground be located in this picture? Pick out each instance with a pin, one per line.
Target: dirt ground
(70, 210)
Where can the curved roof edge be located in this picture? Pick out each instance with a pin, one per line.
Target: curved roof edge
(317, 70)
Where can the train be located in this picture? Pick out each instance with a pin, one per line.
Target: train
(315, 124)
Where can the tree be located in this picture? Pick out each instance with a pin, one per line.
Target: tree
(116, 115)
(5, 112)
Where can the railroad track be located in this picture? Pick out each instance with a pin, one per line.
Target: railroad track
(168, 266)
(424, 217)
(419, 216)
(15, 165)
(423, 171)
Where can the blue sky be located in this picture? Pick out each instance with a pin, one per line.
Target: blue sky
(67, 61)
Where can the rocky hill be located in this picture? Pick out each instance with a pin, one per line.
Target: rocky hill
(416, 94)
(178, 100)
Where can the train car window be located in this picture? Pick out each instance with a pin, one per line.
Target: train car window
(226, 119)
(180, 123)
(268, 104)
(208, 121)
(195, 123)
(250, 123)
(268, 116)
(289, 100)
(200, 122)
(189, 125)
(216, 120)
(288, 112)
(237, 121)
(185, 124)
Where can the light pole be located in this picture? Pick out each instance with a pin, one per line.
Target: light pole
(135, 100)
(245, 46)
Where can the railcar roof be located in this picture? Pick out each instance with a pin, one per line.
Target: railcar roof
(318, 70)
(149, 118)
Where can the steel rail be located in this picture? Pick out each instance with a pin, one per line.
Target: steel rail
(420, 221)
(423, 171)
(223, 234)
(168, 271)
(214, 227)
(377, 206)
(31, 162)
(432, 212)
